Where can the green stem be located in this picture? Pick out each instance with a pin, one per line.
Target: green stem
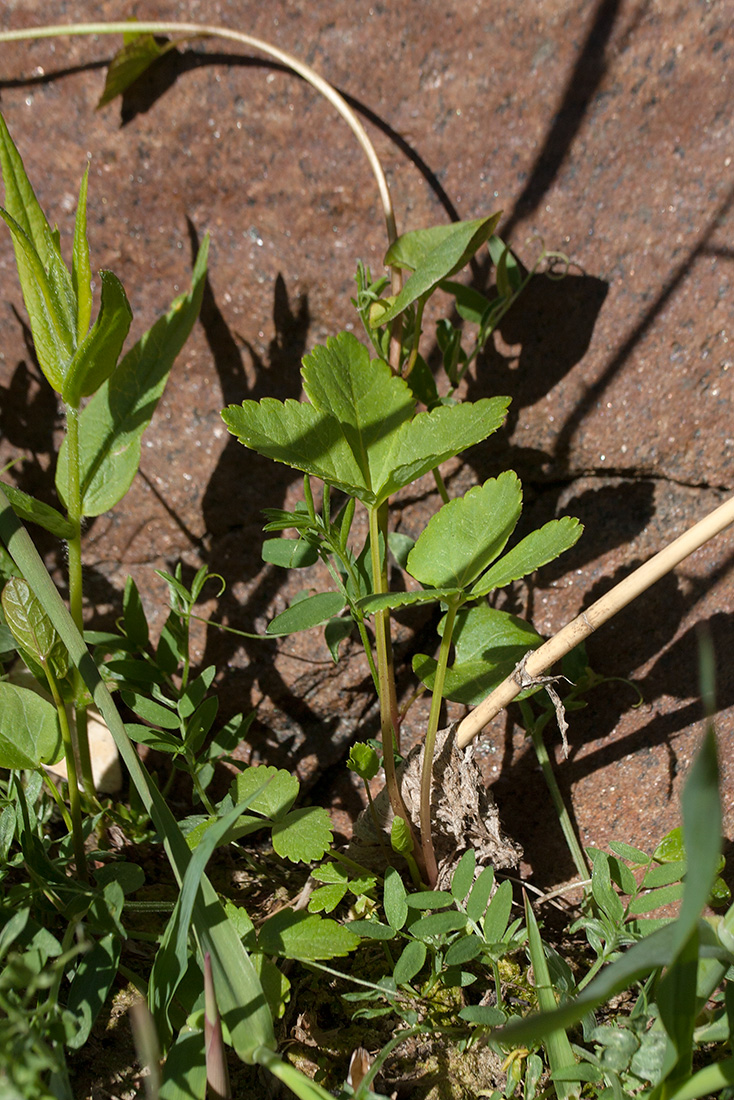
(74, 547)
(440, 485)
(535, 729)
(385, 668)
(77, 832)
(416, 337)
(429, 854)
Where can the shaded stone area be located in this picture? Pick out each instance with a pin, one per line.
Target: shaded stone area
(603, 128)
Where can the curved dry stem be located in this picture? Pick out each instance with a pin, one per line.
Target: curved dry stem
(588, 621)
(146, 26)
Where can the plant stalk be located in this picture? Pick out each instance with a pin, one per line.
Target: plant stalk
(80, 736)
(77, 832)
(385, 670)
(588, 621)
(429, 854)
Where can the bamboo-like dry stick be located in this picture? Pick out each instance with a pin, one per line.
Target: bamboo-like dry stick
(587, 622)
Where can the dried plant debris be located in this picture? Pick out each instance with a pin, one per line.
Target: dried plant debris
(464, 813)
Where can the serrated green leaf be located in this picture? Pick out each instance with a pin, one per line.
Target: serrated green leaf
(111, 425)
(434, 254)
(325, 899)
(410, 963)
(531, 553)
(488, 645)
(31, 627)
(278, 796)
(303, 835)
(298, 935)
(31, 510)
(364, 761)
(468, 533)
(358, 433)
(29, 729)
(307, 613)
(372, 604)
(129, 64)
(289, 553)
(96, 357)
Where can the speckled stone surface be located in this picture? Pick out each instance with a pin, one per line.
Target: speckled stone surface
(603, 128)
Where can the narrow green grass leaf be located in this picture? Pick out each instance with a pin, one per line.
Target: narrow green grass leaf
(81, 270)
(111, 425)
(461, 540)
(676, 1000)
(557, 1047)
(531, 553)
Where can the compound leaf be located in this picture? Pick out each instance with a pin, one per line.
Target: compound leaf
(531, 553)
(467, 534)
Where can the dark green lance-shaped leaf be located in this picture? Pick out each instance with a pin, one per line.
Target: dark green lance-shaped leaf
(111, 425)
(129, 64)
(81, 270)
(90, 985)
(467, 534)
(410, 962)
(47, 287)
(488, 644)
(29, 729)
(371, 604)
(305, 936)
(49, 325)
(35, 511)
(531, 553)
(434, 254)
(307, 613)
(289, 553)
(358, 432)
(31, 627)
(96, 357)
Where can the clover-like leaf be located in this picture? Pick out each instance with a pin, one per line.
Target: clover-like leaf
(535, 550)
(303, 835)
(468, 533)
(358, 432)
(297, 935)
(277, 797)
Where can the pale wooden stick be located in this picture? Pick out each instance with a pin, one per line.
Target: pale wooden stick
(587, 622)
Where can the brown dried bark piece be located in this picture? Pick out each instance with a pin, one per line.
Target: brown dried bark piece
(463, 811)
